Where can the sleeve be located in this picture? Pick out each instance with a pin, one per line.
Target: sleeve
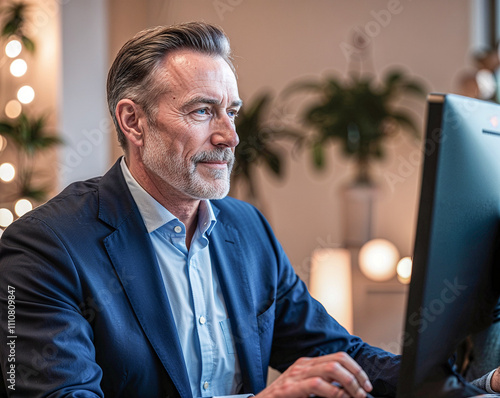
(46, 343)
(484, 383)
(304, 328)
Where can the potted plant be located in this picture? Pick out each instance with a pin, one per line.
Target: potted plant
(359, 113)
(258, 136)
(30, 136)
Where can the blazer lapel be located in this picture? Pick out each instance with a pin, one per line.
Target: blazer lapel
(131, 254)
(227, 258)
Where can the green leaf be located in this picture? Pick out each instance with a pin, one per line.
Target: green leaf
(37, 194)
(28, 44)
(273, 161)
(415, 88)
(318, 155)
(6, 128)
(15, 20)
(405, 121)
(29, 134)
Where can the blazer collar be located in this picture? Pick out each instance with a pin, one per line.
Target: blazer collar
(132, 254)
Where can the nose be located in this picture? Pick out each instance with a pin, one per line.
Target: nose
(224, 133)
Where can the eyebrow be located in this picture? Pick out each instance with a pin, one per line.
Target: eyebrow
(210, 101)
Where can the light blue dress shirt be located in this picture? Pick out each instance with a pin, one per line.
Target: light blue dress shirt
(194, 292)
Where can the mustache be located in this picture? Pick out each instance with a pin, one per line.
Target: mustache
(217, 155)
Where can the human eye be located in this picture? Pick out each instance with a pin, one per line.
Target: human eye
(232, 113)
(203, 111)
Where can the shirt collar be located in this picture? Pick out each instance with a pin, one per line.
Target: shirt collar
(155, 215)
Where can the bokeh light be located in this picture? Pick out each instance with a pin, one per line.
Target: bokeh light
(18, 67)
(6, 217)
(13, 48)
(403, 270)
(378, 259)
(26, 94)
(7, 172)
(13, 109)
(3, 143)
(22, 206)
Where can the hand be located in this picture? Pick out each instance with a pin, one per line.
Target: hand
(310, 376)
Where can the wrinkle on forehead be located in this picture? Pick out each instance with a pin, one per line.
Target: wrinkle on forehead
(187, 72)
(185, 64)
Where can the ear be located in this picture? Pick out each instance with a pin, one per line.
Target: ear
(132, 120)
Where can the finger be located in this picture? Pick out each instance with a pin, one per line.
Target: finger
(332, 371)
(347, 362)
(317, 386)
(345, 379)
(352, 366)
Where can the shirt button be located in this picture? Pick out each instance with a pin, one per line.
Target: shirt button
(202, 321)
(206, 385)
(177, 229)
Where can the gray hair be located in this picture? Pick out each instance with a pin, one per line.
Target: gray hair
(135, 68)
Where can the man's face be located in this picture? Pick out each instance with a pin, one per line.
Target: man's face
(190, 148)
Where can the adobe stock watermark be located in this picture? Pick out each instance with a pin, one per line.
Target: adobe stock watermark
(42, 357)
(11, 338)
(304, 268)
(43, 14)
(425, 316)
(76, 154)
(380, 19)
(408, 166)
(224, 6)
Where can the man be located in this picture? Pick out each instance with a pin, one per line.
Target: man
(146, 282)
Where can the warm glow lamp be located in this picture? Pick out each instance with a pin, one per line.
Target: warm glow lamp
(378, 259)
(331, 283)
(403, 270)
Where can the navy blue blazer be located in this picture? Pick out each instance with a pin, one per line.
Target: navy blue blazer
(92, 317)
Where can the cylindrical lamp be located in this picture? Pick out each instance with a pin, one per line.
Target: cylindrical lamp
(331, 283)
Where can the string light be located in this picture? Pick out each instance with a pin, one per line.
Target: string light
(18, 67)
(6, 217)
(7, 172)
(13, 109)
(26, 94)
(3, 143)
(22, 207)
(13, 48)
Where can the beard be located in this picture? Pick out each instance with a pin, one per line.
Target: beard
(184, 175)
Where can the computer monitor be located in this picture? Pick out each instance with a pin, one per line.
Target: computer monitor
(455, 279)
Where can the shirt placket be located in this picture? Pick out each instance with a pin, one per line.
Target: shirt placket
(202, 318)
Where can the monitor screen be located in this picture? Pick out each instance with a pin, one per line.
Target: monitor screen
(454, 284)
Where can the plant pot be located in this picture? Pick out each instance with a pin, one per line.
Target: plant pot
(359, 200)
